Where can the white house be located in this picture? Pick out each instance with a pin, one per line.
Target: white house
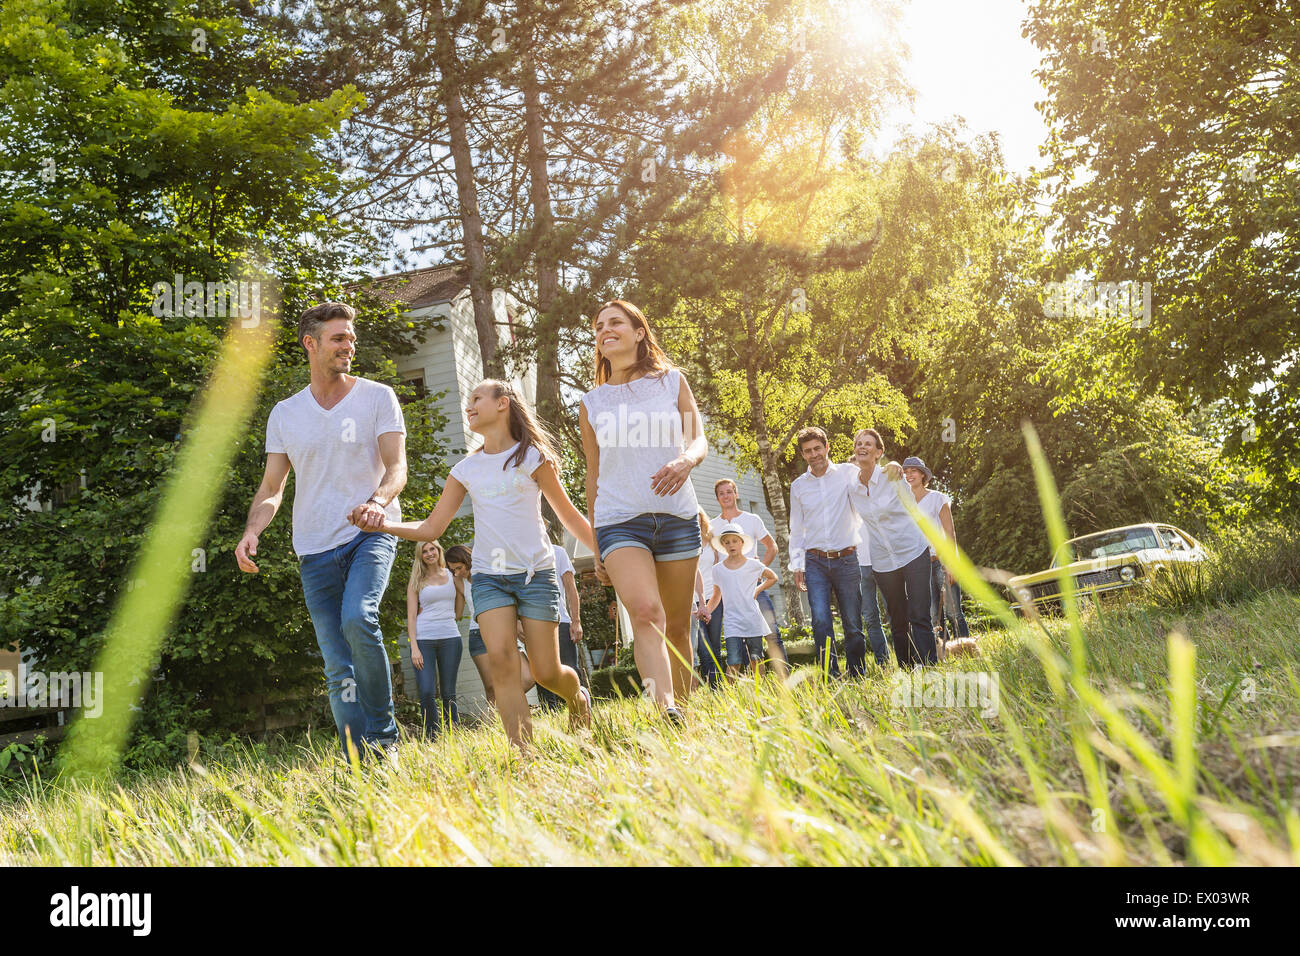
(449, 361)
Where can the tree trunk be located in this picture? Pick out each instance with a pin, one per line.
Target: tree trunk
(467, 195)
(548, 277)
(771, 478)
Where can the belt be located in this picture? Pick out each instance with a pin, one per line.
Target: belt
(818, 552)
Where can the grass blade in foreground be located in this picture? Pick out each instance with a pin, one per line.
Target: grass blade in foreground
(161, 574)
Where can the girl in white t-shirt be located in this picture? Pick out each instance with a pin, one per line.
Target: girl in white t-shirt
(642, 434)
(434, 600)
(512, 578)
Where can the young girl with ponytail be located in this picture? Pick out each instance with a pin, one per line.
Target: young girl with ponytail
(512, 577)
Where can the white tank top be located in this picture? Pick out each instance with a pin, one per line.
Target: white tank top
(639, 430)
(437, 619)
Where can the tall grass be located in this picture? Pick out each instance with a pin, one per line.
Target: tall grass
(1130, 737)
(840, 773)
(1243, 563)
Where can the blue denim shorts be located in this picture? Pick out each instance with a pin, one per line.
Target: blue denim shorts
(736, 650)
(667, 537)
(476, 646)
(538, 599)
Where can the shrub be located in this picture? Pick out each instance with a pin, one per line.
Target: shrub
(1243, 563)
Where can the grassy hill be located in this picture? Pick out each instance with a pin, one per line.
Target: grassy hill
(1143, 749)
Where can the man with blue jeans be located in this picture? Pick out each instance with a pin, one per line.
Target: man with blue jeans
(823, 551)
(345, 440)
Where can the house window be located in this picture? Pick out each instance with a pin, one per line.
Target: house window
(415, 378)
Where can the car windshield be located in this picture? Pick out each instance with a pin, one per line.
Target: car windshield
(1105, 544)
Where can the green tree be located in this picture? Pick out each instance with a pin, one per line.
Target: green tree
(1173, 157)
(133, 153)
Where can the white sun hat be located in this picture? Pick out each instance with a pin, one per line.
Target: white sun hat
(730, 528)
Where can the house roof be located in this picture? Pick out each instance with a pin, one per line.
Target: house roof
(420, 287)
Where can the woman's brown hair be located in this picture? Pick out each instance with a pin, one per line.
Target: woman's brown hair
(650, 356)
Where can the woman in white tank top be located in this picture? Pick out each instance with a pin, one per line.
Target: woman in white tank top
(642, 435)
(434, 600)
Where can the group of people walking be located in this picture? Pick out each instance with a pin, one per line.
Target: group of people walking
(642, 435)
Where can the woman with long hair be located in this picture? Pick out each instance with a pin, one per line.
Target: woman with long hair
(434, 600)
(512, 576)
(642, 435)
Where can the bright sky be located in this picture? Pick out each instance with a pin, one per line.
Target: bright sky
(969, 59)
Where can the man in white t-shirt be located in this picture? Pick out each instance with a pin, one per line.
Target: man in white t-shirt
(724, 489)
(345, 440)
(570, 624)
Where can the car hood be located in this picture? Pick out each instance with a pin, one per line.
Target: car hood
(1144, 556)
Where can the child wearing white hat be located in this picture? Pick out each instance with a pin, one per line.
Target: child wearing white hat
(737, 582)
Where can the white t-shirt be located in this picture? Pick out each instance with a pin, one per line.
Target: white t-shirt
(335, 459)
(509, 533)
(639, 430)
(563, 565)
(741, 616)
(437, 618)
(931, 505)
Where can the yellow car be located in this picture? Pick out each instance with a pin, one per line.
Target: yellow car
(1107, 561)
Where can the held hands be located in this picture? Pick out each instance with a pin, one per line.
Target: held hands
(368, 516)
(247, 546)
(668, 479)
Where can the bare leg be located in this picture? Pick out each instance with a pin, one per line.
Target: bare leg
(498, 629)
(676, 589)
(542, 638)
(485, 675)
(777, 659)
(526, 674)
(632, 571)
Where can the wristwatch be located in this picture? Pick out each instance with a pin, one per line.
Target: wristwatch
(376, 501)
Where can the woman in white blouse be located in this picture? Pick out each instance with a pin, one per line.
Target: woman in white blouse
(642, 435)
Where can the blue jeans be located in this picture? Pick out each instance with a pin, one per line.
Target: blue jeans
(708, 647)
(769, 614)
(569, 657)
(954, 601)
(838, 576)
(907, 595)
(438, 679)
(871, 618)
(343, 587)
